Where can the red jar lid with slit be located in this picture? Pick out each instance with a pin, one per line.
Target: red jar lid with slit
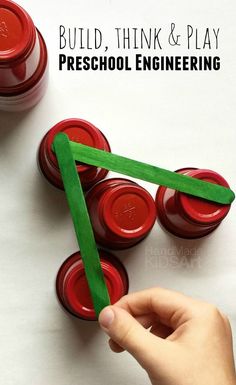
(72, 287)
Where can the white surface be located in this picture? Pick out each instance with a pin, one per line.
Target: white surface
(171, 119)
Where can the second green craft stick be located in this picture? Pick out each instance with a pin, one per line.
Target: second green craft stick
(153, 174)
(82, 224)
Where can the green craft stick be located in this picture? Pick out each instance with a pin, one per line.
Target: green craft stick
(82, 224)
(153, 174)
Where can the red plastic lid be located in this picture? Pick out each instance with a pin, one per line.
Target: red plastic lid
(35, 83)
(79, 131)
(200, 210)
(77, 291)
(17, 32)
(128, 211)
(101, 186)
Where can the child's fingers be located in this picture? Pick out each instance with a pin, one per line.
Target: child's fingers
(172, 308)
(129, 334)
(147, 321)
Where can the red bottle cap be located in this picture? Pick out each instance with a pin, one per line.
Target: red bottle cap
(72, 286)
(200, 210)
(17, 32)
(128, 211)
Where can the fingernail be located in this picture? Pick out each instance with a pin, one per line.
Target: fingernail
(106, 317)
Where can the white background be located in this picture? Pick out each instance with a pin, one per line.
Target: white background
(171, 119)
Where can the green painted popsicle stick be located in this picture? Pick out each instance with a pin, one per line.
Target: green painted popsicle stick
(153, 174)
(82, 224)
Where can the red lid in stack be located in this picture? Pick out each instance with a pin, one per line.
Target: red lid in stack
(17, 32)
(23, 59)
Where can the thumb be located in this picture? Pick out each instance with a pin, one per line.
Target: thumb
(128, 333)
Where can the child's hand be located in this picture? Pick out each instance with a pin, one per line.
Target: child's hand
(189, 343)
